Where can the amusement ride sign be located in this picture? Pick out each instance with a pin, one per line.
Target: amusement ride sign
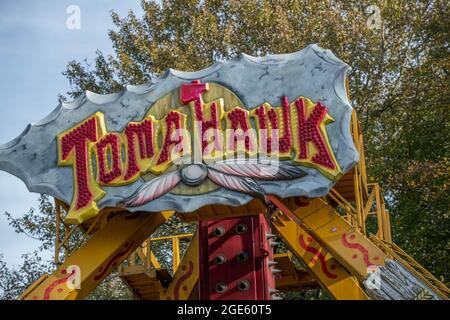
(236, 130)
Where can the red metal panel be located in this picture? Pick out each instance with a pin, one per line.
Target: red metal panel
(234, 255)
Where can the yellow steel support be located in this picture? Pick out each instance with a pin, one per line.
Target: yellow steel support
(329, 272)
(93, 261)
(175, 239)
(57, 236)
(386, 226)
(175, 254)
(144, 276)
(291, 278)
(144, 282)
(178, 236)
(186, 276)
(153, 261)
(347, 245)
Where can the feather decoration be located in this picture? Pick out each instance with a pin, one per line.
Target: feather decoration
(152, 189)
(241, 184)
(282, 170)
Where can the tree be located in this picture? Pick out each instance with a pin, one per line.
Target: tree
(14, 281)
(36, 225)
(40, 225)
(399, 82)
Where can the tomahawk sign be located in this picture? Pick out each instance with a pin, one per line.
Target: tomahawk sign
(171, 144)
(296, 130)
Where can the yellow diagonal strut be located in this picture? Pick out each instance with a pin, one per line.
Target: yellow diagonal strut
(347, 245)
(352, 249)
(83, 271)
(186, 276)
(329, 272)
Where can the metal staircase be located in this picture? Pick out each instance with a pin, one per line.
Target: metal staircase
(397, 253)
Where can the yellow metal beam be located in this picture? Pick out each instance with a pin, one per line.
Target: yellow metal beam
(344, 241)
(328, 272)
(153, 260)
(291, 278)
(93, 261)
(57, 236)
(175, 254)
(179, 236)
(186, 276)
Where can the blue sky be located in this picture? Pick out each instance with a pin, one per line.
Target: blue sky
(35, 46)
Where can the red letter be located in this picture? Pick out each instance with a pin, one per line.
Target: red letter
(107, 174)
(140, 154)
(192, 92)
(174, 135)
(269, 120)
(309, 130)
(238, 119)
(74, 149)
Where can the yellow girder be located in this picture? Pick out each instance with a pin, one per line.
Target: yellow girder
(329, 273)
(94, 260)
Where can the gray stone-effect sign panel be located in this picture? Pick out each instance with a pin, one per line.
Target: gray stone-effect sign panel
(313, 73)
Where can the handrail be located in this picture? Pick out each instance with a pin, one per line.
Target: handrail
(147, 256)
(412, 265)
(368, 197)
